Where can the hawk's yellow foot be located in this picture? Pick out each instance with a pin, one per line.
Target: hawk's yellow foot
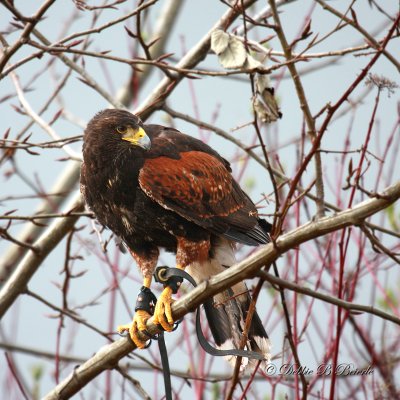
(144, 309)
(138, 324)
(162, 312)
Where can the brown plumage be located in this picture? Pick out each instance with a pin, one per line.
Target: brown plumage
(156, 187)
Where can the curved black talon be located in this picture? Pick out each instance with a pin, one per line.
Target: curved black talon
(147, 345)
(149, 335)
(176, 324)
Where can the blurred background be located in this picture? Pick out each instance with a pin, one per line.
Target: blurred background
(87, 277)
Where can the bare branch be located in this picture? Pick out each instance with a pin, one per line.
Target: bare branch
(108, 356)
(29, 27)
(35, 117)
(20, 277)
(287, 49)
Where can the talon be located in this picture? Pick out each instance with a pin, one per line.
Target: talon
(162, 312)
(121, 329)
(137, 325)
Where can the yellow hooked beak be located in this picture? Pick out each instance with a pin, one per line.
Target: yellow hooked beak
(137, 137)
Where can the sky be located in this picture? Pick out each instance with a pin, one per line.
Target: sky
(224, 102)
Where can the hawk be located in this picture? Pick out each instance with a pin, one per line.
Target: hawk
(156, 187)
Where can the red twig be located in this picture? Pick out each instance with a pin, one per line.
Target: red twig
(14, 373)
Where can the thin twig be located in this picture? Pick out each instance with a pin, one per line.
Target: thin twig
(304, 107)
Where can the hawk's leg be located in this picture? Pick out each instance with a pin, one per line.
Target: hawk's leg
(187, 252)
(162, 312)
(143, 311)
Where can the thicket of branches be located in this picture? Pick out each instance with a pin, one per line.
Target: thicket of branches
(299, 96)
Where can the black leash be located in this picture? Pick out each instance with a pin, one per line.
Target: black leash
(146, 301)
(173, 277)
(165, 366)
(166, 275)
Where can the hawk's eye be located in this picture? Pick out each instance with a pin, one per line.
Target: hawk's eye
(122, 129)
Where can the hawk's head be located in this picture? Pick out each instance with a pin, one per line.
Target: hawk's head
(116, 128)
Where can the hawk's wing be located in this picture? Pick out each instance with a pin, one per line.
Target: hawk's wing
(198, 186)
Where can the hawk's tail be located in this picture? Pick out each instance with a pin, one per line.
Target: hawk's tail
(227, 311)
(227, 320)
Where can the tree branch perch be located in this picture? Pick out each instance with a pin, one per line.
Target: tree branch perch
(108, 356)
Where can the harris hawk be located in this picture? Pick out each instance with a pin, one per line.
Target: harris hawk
(156, 187)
